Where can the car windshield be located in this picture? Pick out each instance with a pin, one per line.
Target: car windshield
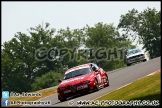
(130, 52)
(77, 72)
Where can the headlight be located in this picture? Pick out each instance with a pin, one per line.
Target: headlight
(86, 82)
(127, 59)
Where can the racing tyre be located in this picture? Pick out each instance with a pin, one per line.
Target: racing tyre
(63, 100)
(97, 86)
(144, 60)
(107, 80)
(128, 64)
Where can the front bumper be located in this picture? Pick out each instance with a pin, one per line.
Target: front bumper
(135, 59)
(71, 93)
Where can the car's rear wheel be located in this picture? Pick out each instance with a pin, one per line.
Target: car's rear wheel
(107, 81)
(97, 86)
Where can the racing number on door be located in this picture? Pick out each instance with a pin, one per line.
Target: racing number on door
(99, 78)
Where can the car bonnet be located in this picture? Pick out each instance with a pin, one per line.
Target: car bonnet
(76, 80)
(135, 54)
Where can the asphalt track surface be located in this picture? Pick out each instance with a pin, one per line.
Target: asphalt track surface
(117, 78)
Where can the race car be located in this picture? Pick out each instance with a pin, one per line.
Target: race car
(82, 79)
(135, 55)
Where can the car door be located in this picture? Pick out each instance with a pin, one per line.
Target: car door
(98, 73)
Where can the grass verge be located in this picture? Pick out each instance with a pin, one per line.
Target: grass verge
(146, 90)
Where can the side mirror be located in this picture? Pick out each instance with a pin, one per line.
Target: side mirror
(94, 69)
(59, 80)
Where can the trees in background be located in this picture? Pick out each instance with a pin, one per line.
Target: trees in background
(144, 26)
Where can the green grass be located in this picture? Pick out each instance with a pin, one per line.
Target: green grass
(147, 88)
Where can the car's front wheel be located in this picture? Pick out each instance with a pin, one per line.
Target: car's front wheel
(64, 99)
(96, 84)
(144, 60)
(128, 64)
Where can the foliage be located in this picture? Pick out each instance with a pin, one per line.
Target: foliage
(49, 79)
(33, 62)
(145, 27)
